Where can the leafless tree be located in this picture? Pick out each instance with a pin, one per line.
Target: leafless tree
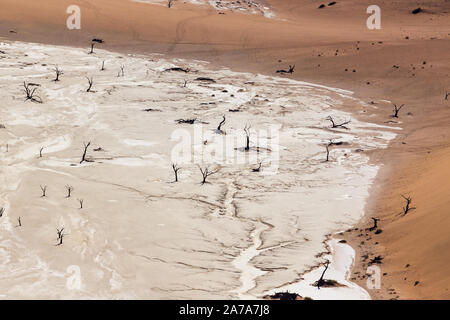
(90, 81)
(58, 72)
(61, 235)
(407, 207)
(258, 169)
(247, 135)
(338, 125)
(396, 110)
(169, 3)
(69, 191)
(19, 221)
(185, 84)
(2, 211)
(92, 48)
(121, 72)
(31, 93)
(81, 203)
(40, 152)
(205, 173)
(86, 146)
(446, 95)
(219, 128)
(103, 66)
(290, 71)
(175, 171)
(328, 153)
(321, 281)
(375, 221)
(44, 190)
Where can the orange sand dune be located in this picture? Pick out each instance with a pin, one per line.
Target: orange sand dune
(322, 43)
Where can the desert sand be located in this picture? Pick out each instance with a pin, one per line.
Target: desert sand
(406, 62)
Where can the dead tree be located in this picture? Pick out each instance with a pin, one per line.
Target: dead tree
(446, 95)
(375, 226)
(31, 93)
(258, 169)
(69, 191)
(103, 66)
(396, 110)
(337, 125)
(81, 203)
(121, 72)
(44, 190)
(86, 146)
(40, 152)
(19, 221)
(61, 235)
(92, 47)
(328, 153)
(247, 137)
(407, 207)
(290, 71)
(332, 143)
(90, 81)
(219, 128)
(2, 211)
(206, 173)
(175, 171)
(169, 3)
(58, 72)
(321, 281)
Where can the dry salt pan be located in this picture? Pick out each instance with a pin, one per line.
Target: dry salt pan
(227, 238)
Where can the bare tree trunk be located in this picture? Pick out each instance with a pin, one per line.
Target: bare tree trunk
(90, 81)
(321, 282)
(219, 128)
(375, 220)
(44, 190)
(205, 173)
(396, 110)
(69, 191)
(258, 169)
(247, 135)
(86, 146)
(407, 207)
(337, 125)
(175, 171)
(30, 93)
(58, 72)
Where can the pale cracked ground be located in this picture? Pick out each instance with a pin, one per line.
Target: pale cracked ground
(139, 234)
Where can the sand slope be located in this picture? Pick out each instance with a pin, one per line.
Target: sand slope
(309, 38)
